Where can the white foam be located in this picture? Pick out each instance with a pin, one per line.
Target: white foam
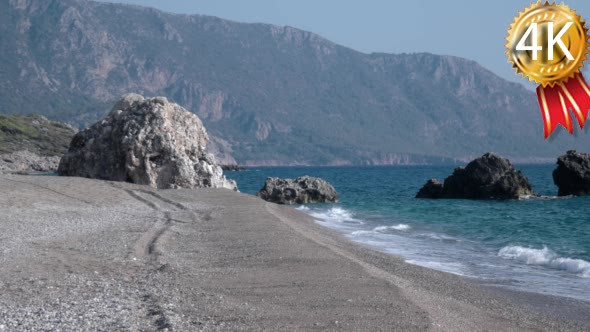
(542, 198)
(382, 229)
(302, 208)
(546, 257)
(441, 237)
(451, 267)
(399, 227)
(335, 214)
(357, 233)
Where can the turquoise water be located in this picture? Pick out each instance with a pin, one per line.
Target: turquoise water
(540, 245)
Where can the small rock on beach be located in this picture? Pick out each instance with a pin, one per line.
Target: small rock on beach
(301, 190)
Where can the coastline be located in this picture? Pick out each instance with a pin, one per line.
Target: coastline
(84, 253)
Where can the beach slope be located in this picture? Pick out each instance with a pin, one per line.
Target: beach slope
(80, 254)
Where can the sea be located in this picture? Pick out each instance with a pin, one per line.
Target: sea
(539, 245)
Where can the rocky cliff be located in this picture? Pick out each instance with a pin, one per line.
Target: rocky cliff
(272, 95)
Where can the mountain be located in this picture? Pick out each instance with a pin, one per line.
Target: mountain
(268, 95)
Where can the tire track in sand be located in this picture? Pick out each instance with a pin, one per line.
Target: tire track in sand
(146, 247)
(146, 250)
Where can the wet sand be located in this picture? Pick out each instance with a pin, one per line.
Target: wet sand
(78, 254)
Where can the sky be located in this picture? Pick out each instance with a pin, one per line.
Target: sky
(465, 28)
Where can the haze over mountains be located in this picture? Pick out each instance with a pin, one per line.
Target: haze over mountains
(269, 95)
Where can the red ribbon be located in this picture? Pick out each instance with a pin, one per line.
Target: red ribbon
(556, 101)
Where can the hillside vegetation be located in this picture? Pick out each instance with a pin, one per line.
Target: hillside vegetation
(35, 134)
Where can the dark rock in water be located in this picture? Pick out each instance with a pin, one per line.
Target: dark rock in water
(432, 189)
(302, 190)
(146, 141)
(233, 168)
(572, 175)
(487, 177)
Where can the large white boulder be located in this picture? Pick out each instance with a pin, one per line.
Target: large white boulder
(146, 141)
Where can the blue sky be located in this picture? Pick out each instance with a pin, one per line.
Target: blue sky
(466, 28)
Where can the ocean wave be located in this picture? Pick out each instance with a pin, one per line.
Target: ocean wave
(335, 214)
(357, 233)
(542, 198)
(440, 237)
(399, 227)
(382, 229)
(546, 257)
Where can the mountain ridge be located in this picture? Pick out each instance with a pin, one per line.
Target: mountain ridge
(267, 94)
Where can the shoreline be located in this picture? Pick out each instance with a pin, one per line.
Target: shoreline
(356, 236)
(559, 307)
(85, 253)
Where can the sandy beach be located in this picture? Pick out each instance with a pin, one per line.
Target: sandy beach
(79, 254)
